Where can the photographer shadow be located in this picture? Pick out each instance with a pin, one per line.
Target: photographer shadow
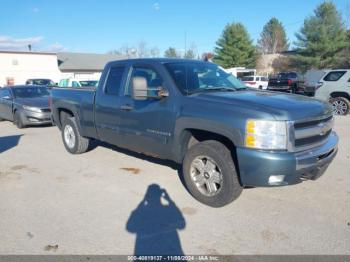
(155, 224)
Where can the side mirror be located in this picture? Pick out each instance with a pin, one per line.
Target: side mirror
(142, 92)
(139, 88)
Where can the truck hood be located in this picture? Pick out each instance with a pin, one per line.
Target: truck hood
(39, 102)
(282, 106)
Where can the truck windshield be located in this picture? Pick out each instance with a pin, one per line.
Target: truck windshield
(30, 92)
(199, 77)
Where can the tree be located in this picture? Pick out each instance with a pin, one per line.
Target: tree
(208, 57)
(321, 39)
(273, 38)
(142, 50)
(235, 48)
(154, 51)
(345, 62)
(282, 63)
(171, 53)
(190, 54)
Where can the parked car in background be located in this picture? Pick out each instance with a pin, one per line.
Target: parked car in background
(40, 82)
(225, 135)
(25, 105)
(312, 81)
(291, 82)
(260, 82)
(74, 82)
(335, 88)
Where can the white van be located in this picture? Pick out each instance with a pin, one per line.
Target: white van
(260, 82)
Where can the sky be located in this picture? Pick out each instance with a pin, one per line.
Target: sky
(99, 26)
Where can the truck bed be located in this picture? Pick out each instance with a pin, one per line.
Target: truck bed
(79, 101)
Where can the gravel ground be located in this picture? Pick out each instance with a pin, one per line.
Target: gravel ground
(52, 202)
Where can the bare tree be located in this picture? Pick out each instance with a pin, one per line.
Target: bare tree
(154, 51)
(142, 50)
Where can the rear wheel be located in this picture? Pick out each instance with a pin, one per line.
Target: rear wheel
(340, 105)
(210, 174)
(72, 139)
(17, 120)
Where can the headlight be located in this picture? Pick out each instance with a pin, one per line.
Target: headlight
(268, 135)
(33, 109)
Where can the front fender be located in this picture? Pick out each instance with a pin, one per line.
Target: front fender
(183, 124)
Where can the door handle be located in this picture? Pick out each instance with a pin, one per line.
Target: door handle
(126, 108)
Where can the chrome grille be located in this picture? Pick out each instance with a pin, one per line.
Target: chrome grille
(311, 133)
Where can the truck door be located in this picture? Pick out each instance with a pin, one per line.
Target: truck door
(107, 105)
(6, 103)
(146, 125)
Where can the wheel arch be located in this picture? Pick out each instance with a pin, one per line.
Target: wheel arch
(191, 136)
(63, 113)
(340, 94)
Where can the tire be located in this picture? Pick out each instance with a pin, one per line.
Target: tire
(197, 168)
(17, 120)
(340, 105)
(72, 140)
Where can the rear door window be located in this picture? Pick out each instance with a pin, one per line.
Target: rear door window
(114, 80)
(334, 76)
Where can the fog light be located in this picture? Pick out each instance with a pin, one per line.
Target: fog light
(276, 180)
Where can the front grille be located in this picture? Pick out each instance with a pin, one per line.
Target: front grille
(46, 110)
(311, 140)
(312, 132)
(312, 122)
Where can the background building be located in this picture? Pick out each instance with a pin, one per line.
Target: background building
(83, 65)
(18, 66)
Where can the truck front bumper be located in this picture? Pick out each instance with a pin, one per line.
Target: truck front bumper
(263, 168)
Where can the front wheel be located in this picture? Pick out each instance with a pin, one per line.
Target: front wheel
(17, 120)
(72, 140)
(210, 174)
(340, 105)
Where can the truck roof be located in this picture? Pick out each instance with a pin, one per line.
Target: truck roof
(158, 60)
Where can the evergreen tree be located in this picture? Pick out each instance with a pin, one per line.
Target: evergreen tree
(235, 48)
(322, 39)
(273, 38)
(171, 53)
(345, 62)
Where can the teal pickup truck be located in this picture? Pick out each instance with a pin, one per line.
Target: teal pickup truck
(226, 136)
